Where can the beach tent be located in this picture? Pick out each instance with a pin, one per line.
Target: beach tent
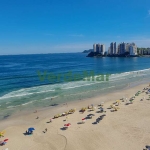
(31, 129)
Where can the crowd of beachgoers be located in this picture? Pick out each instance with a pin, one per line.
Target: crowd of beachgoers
(95, 113)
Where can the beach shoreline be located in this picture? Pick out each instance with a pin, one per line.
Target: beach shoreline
(71, 104)
(114, 127)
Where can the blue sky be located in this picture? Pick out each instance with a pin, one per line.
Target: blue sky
(52, 26)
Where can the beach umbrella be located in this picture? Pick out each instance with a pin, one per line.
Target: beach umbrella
(31, 129)
(5, 140)
(67, 125)
(2, 133)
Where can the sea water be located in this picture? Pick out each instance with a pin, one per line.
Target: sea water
(23, 88)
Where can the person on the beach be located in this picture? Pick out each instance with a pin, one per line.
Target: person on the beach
(27, 132)
(46, 130)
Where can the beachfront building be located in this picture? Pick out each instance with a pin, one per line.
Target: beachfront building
(102, 49)
(108, 51)
(133, 49)
(144, 51)
(122, 48)
(113, 48)
(94, 47)
(128, 47)
(99, 48)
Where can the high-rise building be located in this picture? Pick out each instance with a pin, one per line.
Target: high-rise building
(128, 47)
(118, 49)
(133, 49)
(102, 49)
(111, 48)
(108, 51)
(99, 48)
(94, 47)
(115, 48)
(122, 48)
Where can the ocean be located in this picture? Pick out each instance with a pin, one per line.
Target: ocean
(35, 81)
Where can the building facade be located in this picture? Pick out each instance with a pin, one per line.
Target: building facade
(133, 50)
(102, 49)
(113, 48)
(122, 48)
(94, 47)
(99, 48)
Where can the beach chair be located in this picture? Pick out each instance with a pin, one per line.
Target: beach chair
(83, 109)
(115, 108)
(92, 109)
(111, 106)
(117, 102)
(56, 116)
(70, 111)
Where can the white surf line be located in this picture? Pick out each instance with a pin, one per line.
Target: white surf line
(78, 86)
(88, 91)
(25, 94)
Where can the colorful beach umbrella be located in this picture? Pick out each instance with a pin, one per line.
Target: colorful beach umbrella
(5, 140)
(2, 133)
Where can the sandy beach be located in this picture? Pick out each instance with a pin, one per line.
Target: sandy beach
(125, 129)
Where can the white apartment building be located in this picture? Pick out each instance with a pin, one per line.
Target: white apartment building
(99, 48)
(94, 47)
(133, 49)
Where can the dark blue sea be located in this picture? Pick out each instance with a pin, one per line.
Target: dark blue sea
(33, 81)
